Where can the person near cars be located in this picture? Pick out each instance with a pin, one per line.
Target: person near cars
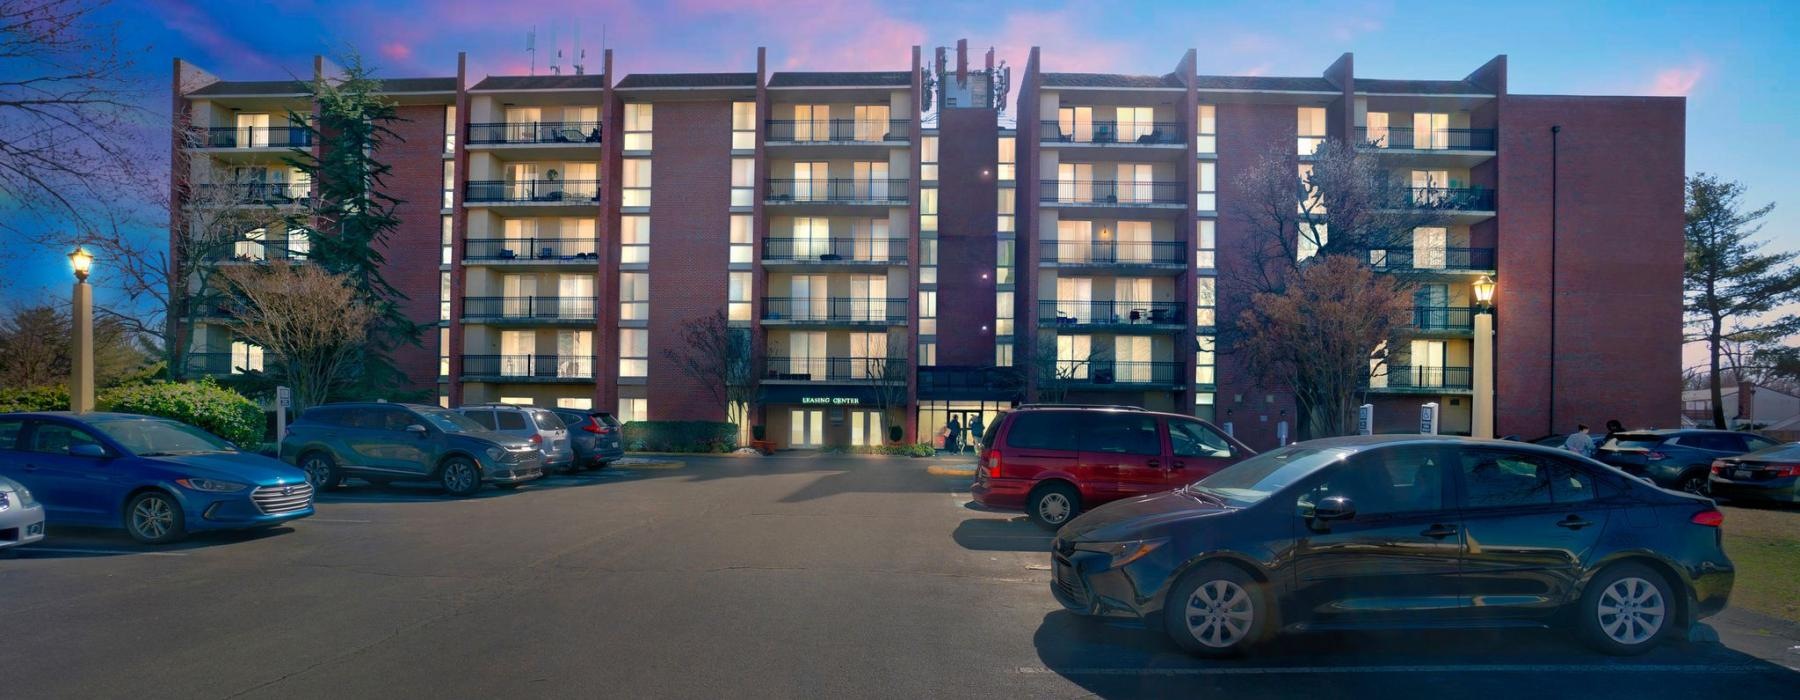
(953, 436)
(1613, 427)
(975, 431)
(1579, 442)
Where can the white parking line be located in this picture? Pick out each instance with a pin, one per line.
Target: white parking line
(75, 550)
(1447, 668)
(335, 520)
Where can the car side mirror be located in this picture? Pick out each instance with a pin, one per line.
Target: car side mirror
(416, 429)
(1335, 508)
(87, 449)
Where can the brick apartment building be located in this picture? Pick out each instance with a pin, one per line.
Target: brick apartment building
(903, 252)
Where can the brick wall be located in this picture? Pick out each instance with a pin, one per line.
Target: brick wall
(416, 153)
(690, 225)
(968, 146)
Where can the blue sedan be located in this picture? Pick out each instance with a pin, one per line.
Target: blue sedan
(157, 478)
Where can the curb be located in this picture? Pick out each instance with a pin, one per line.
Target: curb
(645, 463)
(936, 470)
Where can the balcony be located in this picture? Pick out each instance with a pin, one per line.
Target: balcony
(249, 250)
(1449, 199)
(1424, 380)
(1114, 193)
(1111, 315)
(875, 370)
(876, 191)
(529, 310)
(247, 137)
(849, 311)
(789, 132)
(1411, 259)
(505, 133)
(1166, 254)
(1113, 133)
(1454, 319)
(1077, 374)
(969, 382)
(536, 192)
(525, 250)
(212, 364)
(835, 251)
(1406, 138)
(245, 193)
(532, 369)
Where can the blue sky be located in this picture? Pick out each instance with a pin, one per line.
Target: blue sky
(1733, 60)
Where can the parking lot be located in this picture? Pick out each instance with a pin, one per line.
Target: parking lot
(793, 576)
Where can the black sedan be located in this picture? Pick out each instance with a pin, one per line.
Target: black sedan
(1772, 474)
(1398, 532)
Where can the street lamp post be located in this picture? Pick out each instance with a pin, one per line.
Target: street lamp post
(81, 379)
(1483, 417)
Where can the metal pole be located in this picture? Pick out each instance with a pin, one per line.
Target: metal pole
(1484, 376)
(81, 379)
(1554, 130)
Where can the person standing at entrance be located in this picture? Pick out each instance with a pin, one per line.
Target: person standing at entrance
(953, 440)
(975, 428)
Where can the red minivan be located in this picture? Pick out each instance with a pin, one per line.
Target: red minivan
(1056, 461)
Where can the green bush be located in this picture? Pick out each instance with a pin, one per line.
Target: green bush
(680, 436)
(204, 404)
(43, 398)
(914, 450)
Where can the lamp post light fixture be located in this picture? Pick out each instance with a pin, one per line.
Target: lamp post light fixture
(1484, 292)
(1482, 413)
(81, 376)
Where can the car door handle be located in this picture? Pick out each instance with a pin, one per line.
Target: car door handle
(1438, 531)
(1177, 464)
(1574, 522)
(1153, 463)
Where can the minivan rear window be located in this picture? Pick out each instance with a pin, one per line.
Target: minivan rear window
(1630, 441)
(509, 420)
(1045, 430)
(547, 420)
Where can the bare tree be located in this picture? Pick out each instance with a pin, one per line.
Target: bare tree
(723, 359)
(310, 321)
(890, 378)
(1056, 377)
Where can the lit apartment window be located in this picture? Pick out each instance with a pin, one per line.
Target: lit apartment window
(443, 398)
(1008, 158)
(738, 309)
(446, 238)
(1311, 129)
(443, 352)
(928, 312)
(743, 181)
(1206, 255)
(1313, 236)
(449, 184)
(1003, 313)
(637, 126)
(928, 260)
(634, 240)
(450, 128)
(928, 209)
(634, 352)
(1431, 131)
(1007, 206)
(1377, 132)
(253, 246)
(1205, 360)
(1208, 187)
(1003, 261)
(299, 243)
(580, 403)
(928, 156)
(443, 296)
(928, 353)
(1003, 354)
(812, 122)
(1206, 131)
(633, 410)
(634, 182)
(246, 357)
(743, 236)
(743, 126)
(1205, 301)
(1313, 200)
(634, 296)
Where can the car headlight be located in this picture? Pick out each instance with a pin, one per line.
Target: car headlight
(1121, 553)
(25, 498)
(211, 485)
(497, 454)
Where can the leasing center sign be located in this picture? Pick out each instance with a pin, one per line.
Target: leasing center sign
(831, 400)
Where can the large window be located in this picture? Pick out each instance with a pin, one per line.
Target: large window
(743, 182)
(928, 156)
(743, 126)
(634, 182)
(928, 209)
(739, 302)
(1205, 360)
(1206, 186)
(1206, 129)
(1207, 244)
(1205, 301)
(743, 237)
(449, 184)
(634, 352)
(638, 126)
(1007, 206)
(1431, 131)
(634, 296)
(1003, 261)
(450, 128)
(246, 357)
(634, 240)
(633, 410)
(444, 296)
(927, 312)
(447, 236)
(1311, 129)
(443, 352)
(1008, 158)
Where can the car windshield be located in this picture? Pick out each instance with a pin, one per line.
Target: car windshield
(154, 438)
(1252, 480)
(450, 421)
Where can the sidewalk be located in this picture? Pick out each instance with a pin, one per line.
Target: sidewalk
(1771, 639)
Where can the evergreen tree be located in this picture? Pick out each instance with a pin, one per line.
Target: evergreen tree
(1731, 285)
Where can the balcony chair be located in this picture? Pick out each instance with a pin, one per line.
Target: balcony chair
(508, 254)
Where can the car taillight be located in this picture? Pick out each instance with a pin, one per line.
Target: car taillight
(1786, 470)
(537, 439)
(1718, 466)
(1653, 456)
(991, 462)
(1709, 518)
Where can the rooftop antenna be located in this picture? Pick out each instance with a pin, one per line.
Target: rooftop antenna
(556, 65)
(531, 47)
(580, 53)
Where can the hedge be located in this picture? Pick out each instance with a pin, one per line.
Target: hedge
(43, 398)
(203, 404)
(680, 436)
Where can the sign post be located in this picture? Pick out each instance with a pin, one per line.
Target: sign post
(284, 400)
(1365, 419)
(1428, 419)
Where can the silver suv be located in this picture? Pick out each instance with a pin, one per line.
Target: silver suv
(538, 425)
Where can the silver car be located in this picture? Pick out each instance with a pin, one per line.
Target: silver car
(21, 518)
(538, 425)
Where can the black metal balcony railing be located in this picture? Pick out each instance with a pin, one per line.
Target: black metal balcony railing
(531, 249)
(1449, 198)
(571, 191)
(875, 250)
(1112, 192)
(253, 137)
(1077, 372)
(1406, 377)
(1113, 132)
(252, 192)
(835, 310)
(249, 250)
(1401, 259)
(884, 370)
(851, 190)
(534, 132)
(1078, 314)
(1444, 318)
(529, 308)
(1406, 137)
(1112, 253)
(210, 363)
(529, 366)
(838, 130)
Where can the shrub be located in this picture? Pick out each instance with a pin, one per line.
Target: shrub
(203, 404)
(896, 434)
(681, 436)
(43, 398)
(759, 433)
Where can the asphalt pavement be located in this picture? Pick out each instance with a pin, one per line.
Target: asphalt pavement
(793, 576)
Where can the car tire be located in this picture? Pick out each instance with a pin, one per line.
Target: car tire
(1217, 610)
(1053, 504)
(1695, 482)
(155, 517)
(507, 487)
(460, 476)
(321, 471)
(1626, 610)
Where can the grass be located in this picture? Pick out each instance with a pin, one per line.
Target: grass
(1764, 543)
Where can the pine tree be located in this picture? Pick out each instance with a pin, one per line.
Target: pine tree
(1731, 285)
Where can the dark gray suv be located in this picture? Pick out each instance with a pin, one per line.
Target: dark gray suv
(383, 442)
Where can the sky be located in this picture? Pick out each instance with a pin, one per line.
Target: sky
(1734, 61)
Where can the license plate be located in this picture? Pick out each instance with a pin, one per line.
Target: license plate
(1741, 473)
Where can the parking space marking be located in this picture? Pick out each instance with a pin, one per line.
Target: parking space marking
(336, 520)
(1447, 668)
(78, 550)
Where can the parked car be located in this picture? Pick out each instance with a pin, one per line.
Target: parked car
(157, 478)
(21, 516)
(1400, 532)
(596, 436)
(1677, 459)
(1056, 461)
(539, 426)
(385, 442)
(1771, 474)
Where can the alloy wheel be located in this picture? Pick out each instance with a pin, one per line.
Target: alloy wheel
(1631, 611)
(1220, 613)
(457, 476)
(152, 518)
(317, 471)
(1053, 508)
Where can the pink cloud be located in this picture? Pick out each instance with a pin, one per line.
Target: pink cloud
(198, 27)
(1677, 81)
(1067, 44)
(396, 51)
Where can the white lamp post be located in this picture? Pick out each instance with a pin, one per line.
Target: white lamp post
(1483, 417)
(81, 379)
